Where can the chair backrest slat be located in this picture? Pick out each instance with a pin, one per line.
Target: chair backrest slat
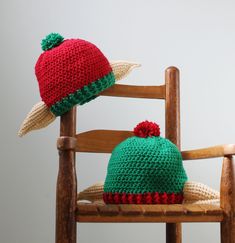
(103, 141)
(133, 91)
(100, 141)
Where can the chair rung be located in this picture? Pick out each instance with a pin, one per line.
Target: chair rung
(133, 91)
(148, 213)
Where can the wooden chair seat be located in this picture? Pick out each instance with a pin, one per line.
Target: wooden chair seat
(98, 212)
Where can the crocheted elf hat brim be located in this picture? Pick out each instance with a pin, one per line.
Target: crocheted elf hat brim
(83, 95)
(146, 198)
(194, 193)
(41, 115)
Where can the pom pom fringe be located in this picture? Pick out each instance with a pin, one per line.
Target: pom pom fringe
(52, 40)
(147, 129)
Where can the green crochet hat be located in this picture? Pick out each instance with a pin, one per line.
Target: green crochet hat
(145, 169)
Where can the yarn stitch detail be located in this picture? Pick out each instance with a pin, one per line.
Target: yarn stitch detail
(146, 198)
(68, 67)
(142, 165)
(83, 95)
(52, 40)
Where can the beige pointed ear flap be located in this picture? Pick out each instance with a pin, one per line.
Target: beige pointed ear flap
(122, 68)
(92, 193)
(195, 191)
(40, 116)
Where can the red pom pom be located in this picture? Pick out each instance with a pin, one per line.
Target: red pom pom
(147, 129)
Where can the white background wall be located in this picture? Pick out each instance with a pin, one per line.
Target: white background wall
(197, 36)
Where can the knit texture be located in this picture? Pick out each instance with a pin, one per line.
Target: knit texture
(51, 40)
(194, 193)
(39, 117)
(146, 167)
(141, 165)
(67, 70)
(70, 72)
(146, 198)
(121, 69)
(83, 95)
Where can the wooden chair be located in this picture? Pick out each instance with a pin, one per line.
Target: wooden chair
(68, 212)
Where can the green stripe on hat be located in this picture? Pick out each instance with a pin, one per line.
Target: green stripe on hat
(83, 95)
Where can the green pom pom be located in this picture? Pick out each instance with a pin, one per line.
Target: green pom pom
(52, 40)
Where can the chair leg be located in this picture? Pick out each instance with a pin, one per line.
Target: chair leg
(66, 199)
(66, 193)
(173, 233)
(227, 200)
(227, 228)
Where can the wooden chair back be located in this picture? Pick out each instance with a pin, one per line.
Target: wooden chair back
(99, 141)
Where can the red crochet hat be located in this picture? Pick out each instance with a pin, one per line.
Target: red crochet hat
(70, 72)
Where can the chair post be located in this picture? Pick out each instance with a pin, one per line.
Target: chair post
(66, 192)
(227, 200)
(172, 127)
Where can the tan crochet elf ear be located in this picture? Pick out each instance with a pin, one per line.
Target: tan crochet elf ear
(195, 191)
(40, 116)
(122, 68)
(92, 193)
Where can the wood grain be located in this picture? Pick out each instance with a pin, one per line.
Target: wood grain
(211, 152)
(133, 91)
(103, 141)
(100, 141)
(172, 127)
(172, 106)
(112, 210)
(174, 230)
(131, 209)
(66, 143)
(66, 184)
(227, 200)
(149, 213)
